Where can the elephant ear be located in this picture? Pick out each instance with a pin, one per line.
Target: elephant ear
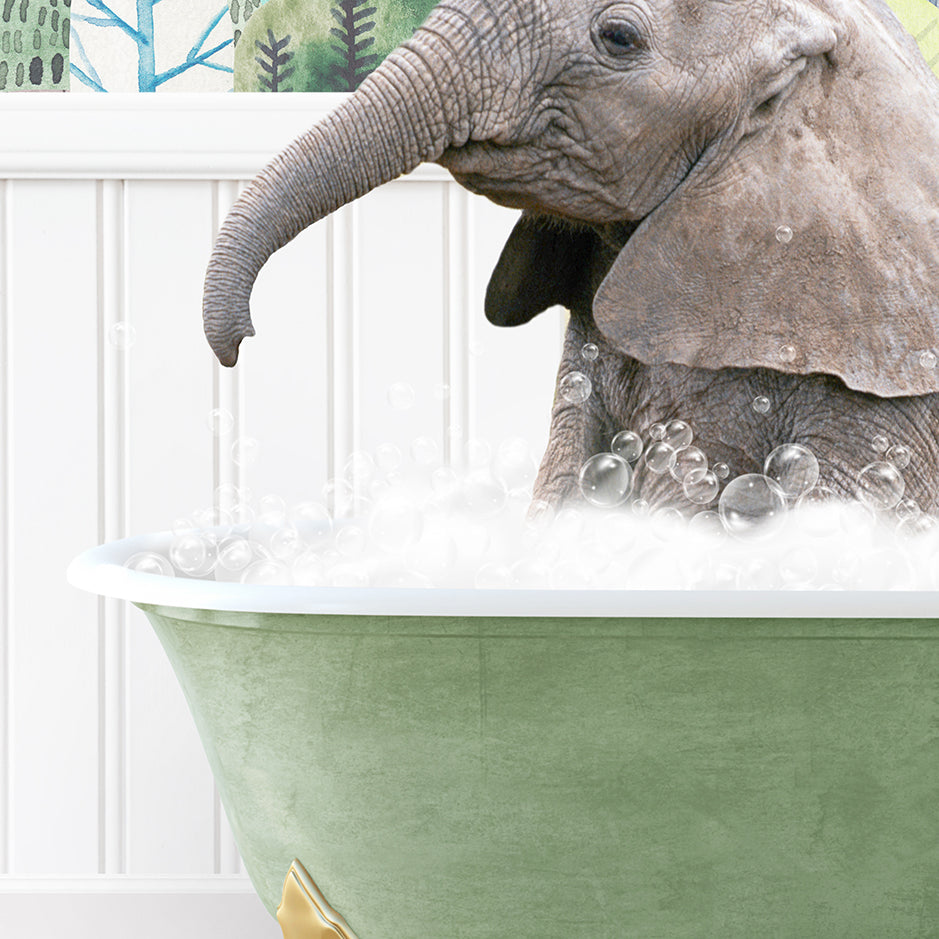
(813, 247)
(544, 263)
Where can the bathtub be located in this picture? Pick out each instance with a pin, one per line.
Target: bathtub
(430, 764)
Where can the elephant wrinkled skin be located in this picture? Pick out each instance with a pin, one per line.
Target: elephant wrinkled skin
(655, 146)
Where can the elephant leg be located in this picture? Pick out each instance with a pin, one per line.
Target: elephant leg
(578, 430)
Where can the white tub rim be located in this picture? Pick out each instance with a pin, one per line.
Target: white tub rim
(101, 570)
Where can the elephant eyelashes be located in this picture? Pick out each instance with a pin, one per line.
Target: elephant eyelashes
(619, 39)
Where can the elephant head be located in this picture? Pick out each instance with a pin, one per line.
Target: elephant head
(765, 170)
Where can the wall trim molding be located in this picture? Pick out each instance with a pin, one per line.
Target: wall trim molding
(125, 884)
(159, 136)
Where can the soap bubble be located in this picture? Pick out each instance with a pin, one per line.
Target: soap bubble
(400, 396)
(701, 486)
(482, 496)
(759, 574)
(395, 524)
(308, 570)
(899, 455)
(569, 523)
(605, 480)
(573, 574)
(907, 508)
(339, 496)
(721, 470)
(242, 513)
(530, 574)
(916, 525)
(286, 543)
(752, 506)
(879, 443)
(182, 525)
(575, 387)
(435, 554)
(360, 468)
(345, 575)
(590, 351)
(513, 464)
(678, 435)
(628, 445)
(149, 562)
(493, 576)
(425, 451)
(707, 523)
(122, 336)
(226, 495)
(235, 554)
(882, 570)
(192, 554)
(272, 508)
(478, 452)
(818, 511)
(445, 482)
(928, 359)
(388, 457)
(245, 451)
(761, 404)
(787, 354)
(350, 541)
(660, 457)
(220, 421)
(399, 578)
(657, 431)
(880, 485)
(540, 516)
(686, 460)
(312, 522)
(266, 572)
(640, 507)
(793, 467)
(667, 522)
(784, 234)
(798, 566)
(655, 569)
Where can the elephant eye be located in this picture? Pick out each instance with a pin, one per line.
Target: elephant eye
(619, 38)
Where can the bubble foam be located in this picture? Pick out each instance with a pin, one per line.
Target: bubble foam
(421, 523)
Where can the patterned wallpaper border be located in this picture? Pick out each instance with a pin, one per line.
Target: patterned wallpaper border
(235, 45)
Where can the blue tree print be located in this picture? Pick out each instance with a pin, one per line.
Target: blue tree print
(142, 35)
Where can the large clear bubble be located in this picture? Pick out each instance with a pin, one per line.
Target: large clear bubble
(628, 445)
(660, 457)
(752, 506)
(678, 434)
(793, 468)
(575, 387)
(605, 480)
(701, 486)
(880, 485)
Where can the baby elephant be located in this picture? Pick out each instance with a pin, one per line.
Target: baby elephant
(736, 201)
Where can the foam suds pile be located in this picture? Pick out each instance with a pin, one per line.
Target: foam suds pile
(396, 522)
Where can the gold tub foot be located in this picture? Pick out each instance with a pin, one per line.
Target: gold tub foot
(304, 913)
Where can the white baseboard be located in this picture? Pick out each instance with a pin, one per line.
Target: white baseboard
(115, 908)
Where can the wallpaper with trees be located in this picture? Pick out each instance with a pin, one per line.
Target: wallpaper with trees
(240, 45)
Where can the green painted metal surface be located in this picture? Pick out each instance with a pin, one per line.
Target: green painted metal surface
(545, 778)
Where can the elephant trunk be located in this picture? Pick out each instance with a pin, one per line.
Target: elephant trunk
(411, 109)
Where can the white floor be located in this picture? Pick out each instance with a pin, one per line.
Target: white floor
(143, 916)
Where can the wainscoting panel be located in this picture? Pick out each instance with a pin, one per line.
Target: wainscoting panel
(370, 329)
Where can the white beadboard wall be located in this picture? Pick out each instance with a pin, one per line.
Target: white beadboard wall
(108, 205)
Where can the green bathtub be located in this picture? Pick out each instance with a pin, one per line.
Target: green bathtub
(447, 767)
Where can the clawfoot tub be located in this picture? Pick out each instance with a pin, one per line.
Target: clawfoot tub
(429, 764)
